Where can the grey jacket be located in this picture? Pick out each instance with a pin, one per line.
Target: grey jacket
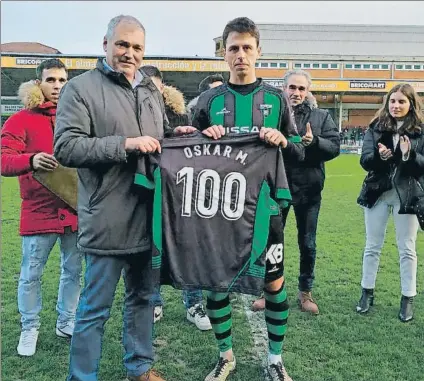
(97, 111)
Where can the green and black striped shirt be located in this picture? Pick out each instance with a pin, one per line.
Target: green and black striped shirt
(245, 108)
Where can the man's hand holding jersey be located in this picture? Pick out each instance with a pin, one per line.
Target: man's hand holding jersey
(273, 136)
(144, 144)
(214, 132)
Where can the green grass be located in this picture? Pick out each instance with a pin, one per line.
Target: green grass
(337, 345)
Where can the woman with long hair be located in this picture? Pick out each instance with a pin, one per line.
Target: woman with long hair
(393, 156)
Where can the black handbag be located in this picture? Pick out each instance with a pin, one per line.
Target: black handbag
(373, 186)
(418, 201)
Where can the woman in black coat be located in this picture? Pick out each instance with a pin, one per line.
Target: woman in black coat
(393, 156)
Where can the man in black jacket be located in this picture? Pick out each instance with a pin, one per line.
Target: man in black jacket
(321, 139)
(322, 143)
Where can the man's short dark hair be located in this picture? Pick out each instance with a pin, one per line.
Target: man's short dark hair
(152, 71)
(204, 85)
(241, 25)
(52, 63)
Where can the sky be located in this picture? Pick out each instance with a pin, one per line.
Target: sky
(181, 28)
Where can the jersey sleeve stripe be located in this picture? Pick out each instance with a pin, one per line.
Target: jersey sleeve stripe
(284, 197)
(283, 194)
(143, 181)
(295, 139)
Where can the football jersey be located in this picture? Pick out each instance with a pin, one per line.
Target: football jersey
(214, 203)
(239, 112)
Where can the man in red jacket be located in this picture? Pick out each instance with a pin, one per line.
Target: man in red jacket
(27, 146)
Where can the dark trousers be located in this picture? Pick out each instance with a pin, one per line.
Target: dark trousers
(306, 221)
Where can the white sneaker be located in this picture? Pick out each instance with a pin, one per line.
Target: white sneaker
(65, 330)
(28, 342)
(222, 370)
(277, 372)
(197, 315)
(157, 314)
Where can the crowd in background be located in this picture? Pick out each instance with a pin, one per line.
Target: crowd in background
(352, 135)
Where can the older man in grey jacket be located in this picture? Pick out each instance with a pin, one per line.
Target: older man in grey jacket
(106, 119)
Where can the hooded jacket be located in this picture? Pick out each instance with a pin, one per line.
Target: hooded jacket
(306, 178)
(175, 107)
(98, 110)
(407, 177)
(25, 134)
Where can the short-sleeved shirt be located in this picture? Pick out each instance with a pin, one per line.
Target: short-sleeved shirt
(245, 108)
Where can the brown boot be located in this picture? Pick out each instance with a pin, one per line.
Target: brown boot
(258, 305)
(306, 303)
(151, 375)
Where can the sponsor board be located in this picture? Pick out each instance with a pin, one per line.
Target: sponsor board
(367, 84)
(274, 82)
(352, 86)
(90, 63)
(357, 150)
(7, 110)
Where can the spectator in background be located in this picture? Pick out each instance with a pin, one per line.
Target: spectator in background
(393, 156)
(346, 136)
(207, 83)
(177, 116)
(353, 136)
(306, 178)
(360, 136)
(27, 146)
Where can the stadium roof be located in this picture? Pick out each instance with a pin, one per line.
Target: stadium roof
(337, 40)
(28, 47)
(146, 57)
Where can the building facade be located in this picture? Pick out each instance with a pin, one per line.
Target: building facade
(351, 66)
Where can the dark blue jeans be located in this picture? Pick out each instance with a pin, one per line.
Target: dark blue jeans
(307, 222)
(102, 275)
(190, 298)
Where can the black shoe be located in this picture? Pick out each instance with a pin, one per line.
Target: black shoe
(366, 301)
(406, 313)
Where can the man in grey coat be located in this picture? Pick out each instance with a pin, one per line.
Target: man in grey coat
(106, 119)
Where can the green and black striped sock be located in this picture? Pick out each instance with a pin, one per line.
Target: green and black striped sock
(276, 314)
(219, 312)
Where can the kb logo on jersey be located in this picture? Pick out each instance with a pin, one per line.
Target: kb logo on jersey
(275, 254)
